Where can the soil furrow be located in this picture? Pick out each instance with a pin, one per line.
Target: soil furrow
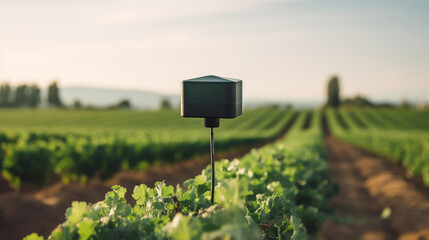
(369, 184)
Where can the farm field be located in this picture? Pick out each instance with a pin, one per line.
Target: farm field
(297, 176)
(378, 197)
(50, 202)
(289, 178)
(76, 145)
(214, 120)
(398, 134)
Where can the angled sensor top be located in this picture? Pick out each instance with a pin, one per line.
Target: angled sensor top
(211, 97)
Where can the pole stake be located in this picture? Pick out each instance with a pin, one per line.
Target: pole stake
(212, 159)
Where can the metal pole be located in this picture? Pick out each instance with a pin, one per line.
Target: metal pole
(212, 159)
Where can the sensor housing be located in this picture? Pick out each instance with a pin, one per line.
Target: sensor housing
(211, 97)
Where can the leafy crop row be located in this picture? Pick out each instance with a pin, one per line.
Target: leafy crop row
(277, 192)
(408, 146)
(31, 155)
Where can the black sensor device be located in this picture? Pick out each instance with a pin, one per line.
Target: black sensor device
(211, 97)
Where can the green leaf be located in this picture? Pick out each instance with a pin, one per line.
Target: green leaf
(86, 229)
(119, 190)
(299, 231)
(385, 214)
(167, 191)
(75, 213)
(179, 228)
(140, 194)
(33, 236)
(125, 211)
(198, 180)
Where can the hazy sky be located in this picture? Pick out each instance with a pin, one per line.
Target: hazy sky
(281, 49)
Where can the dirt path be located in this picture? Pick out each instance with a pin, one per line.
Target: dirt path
(369, 184)
(40, 210)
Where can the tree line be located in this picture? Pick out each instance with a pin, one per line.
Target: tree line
(334, 98)
(28, 95)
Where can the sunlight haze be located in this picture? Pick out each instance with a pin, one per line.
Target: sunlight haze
(282, 50)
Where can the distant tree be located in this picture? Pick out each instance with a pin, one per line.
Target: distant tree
(5, 95)
(33, 96)
(124, 104)
(54, 95)
(359, 101)
(92, 107)
(165, 104)
(25, 96)
(405, 103)
(21, 96)
(333, 92)
(77, 104)
(386, 105)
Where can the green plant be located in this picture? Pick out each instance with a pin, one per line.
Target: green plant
(276, 192)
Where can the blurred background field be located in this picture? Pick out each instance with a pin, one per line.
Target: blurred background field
(77, 144)
(81, 143)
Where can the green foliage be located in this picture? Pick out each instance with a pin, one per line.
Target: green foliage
(165, 104)
(385, 214)
(122, 104)
(277, 192)
(34, 96)
(29, 162)
(54, 95)
(33, 236)
(333, 92)
(77, 104)
(23, 96)
(402, 137)
(5, 95)
(357, 101)
(103, 142)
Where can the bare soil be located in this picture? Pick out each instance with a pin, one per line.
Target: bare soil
(369, 184)
(41, 209)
